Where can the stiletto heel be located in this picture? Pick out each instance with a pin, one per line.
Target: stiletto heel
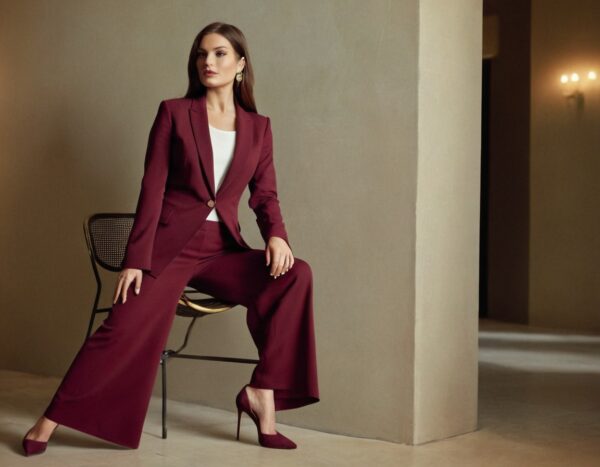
(277, 440)
(238, 426)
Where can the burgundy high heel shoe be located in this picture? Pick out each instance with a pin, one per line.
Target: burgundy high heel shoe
(32, 447)
(277, 440)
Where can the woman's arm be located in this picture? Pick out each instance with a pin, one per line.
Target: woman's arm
(138, 253)
(263, 188)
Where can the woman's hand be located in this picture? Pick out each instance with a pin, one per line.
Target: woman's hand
(281, 255)
(126, 277)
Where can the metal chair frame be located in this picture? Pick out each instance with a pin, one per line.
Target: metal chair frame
(187, 306)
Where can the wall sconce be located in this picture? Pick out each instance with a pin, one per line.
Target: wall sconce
(571, 85)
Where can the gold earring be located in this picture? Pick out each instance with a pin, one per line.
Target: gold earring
(238, 76)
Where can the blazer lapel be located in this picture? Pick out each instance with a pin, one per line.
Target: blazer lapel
(199, 122)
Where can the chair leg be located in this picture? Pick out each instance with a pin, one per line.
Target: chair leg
(163, 364)
(89, 330)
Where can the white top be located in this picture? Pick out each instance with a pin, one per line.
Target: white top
(223, 145)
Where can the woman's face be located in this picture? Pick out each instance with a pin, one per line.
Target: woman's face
(215, 53)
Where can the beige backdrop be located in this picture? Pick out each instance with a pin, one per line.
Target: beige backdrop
(360, 112)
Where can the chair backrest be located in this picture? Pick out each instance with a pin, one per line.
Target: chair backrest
(106, 236)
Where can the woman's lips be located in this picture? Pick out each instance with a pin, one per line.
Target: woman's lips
(209, 73)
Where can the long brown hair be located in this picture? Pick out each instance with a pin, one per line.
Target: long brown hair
(243, 91)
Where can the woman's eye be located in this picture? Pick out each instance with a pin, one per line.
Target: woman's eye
(203, 54)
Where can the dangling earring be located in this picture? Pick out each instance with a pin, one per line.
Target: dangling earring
(238, 76)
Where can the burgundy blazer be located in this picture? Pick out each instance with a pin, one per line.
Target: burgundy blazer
(178, 188)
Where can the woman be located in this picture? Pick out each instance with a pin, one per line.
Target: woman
(203, 150)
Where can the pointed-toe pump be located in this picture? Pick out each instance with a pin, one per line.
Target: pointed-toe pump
(32, 447)
(277, 440)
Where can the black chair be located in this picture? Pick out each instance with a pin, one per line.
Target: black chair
(106, 236)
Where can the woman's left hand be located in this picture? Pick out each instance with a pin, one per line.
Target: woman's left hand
(279, 256)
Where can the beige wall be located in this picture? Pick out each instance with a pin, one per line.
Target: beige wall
(565, 225)
(447, 219)
(79, 86)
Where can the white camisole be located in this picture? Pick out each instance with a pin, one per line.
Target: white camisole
(223, 145)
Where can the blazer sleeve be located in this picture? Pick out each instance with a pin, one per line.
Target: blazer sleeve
(263, 192)
(138, 252)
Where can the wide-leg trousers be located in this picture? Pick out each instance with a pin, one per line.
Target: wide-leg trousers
(107, 388)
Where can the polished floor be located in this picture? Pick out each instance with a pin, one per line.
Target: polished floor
(539, 405)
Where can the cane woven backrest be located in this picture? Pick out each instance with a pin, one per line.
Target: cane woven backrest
(107, 235)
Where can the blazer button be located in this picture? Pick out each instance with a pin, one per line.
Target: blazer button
(210, 203)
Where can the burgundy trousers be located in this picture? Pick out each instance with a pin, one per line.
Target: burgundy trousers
(107, 388)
